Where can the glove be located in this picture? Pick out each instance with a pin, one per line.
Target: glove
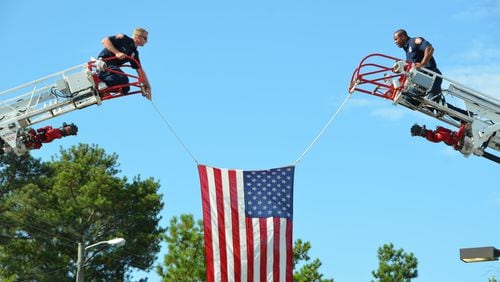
(417, 130)
(68, 129)
(100, 65)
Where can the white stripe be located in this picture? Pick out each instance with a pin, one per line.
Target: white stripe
(243, 230)
(228, 224)
(270, 246)
(215, 226)
(256, 249)
(283, 249)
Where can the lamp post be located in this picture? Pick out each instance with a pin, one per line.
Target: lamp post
(479, 254)
(81, 254)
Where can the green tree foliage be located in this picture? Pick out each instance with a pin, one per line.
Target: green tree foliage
(4, 278)
(185, 259)
(309, 271)
(47, 208)
(492, 279)
(395, 265)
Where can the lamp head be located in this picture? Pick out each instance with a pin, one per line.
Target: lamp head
(117, 242)
(479, 254)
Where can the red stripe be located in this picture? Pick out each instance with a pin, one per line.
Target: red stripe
(263, 249)
(250, 254)
(221, 274)
(276, 250)
(205, 199)
(235, 227)
(220, 222)
(289, 251)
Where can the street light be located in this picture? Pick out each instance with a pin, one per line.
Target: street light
(81, 254)
(479, 254)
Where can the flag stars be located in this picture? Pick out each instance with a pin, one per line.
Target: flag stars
(269, 192)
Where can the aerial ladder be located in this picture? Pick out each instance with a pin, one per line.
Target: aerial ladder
(54, 95)
(466, 109)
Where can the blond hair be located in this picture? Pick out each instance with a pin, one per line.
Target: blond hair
(139, 31)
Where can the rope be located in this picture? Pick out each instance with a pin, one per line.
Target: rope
(173, 132)
(322, 130)
(296, 162)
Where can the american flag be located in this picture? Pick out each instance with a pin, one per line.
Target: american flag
(247, 218)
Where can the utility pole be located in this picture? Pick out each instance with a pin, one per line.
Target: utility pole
(81, 254)
(80, 262)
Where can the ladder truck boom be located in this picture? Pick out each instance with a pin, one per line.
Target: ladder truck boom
(401, 82)
(57, 94)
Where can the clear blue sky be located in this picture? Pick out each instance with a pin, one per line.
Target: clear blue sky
(249, 84)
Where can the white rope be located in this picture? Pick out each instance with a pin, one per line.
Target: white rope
(322, 130)
(296, 162)
(173, 132)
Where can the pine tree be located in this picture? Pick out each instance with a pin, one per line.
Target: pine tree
(51, 207)
(395, 265)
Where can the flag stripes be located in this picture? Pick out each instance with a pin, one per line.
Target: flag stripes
(240, 247)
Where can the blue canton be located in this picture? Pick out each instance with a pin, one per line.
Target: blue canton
(269, 193)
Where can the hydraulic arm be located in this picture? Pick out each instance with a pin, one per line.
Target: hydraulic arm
(401, 82)
(54, 95)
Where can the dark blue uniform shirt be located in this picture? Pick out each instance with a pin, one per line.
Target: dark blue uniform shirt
(415, 53)
(125, 45)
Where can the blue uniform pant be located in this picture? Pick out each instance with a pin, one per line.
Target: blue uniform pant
(435, 92)
(113, 79)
